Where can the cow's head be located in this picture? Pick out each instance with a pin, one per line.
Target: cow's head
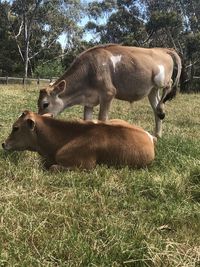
(49, 100)
(23, 134)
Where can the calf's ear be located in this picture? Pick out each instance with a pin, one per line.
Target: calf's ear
(31, 124)
(24, 113)
(59, 88)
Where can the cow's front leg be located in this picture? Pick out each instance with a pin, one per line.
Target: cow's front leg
(88, 112)
(58, 168)
(105, 103)
(104, 110)
(47, 163)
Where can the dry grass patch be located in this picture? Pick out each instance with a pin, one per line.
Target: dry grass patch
(105, 217)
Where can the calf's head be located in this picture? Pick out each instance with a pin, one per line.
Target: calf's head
(50, 100)
(23, 134)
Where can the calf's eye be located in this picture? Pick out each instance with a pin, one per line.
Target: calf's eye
(45, 105)
(15, 129)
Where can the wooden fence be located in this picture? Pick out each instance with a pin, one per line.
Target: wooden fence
(11, 80)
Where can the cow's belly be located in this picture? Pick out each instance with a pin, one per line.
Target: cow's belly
(131, 87)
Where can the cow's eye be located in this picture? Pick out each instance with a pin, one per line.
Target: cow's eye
(45, 105)
(15, 129)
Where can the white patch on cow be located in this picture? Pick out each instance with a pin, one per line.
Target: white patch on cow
(59, 106)
(150, 136)
(160, 77)
(115, 60)
(59, 101)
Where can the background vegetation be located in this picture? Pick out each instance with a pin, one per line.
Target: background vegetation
(29, 32)
(105, 217)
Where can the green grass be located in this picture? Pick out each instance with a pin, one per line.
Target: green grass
(105, 217)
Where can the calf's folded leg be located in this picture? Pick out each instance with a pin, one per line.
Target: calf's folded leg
(73, 156)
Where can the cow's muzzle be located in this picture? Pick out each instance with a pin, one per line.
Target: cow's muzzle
(6, 146)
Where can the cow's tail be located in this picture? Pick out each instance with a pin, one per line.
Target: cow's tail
(174, 89)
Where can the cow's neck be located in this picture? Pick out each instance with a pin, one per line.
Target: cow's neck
(73, 95)
(50, 135)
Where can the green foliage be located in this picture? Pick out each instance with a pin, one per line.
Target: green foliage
(48, 70)
(97, 9)
(161, 19)
(34, 27)
(124, 24)
(71, 54)
(105, 217)
(193, 43)
(10, 61)
(124, 27)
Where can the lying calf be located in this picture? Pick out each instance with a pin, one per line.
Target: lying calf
(82, 144)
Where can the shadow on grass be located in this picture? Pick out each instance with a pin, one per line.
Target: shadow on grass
(14, 157)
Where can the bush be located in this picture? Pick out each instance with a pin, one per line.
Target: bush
(49, 69)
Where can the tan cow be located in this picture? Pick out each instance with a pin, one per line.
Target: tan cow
(82, 144)
(112, 71)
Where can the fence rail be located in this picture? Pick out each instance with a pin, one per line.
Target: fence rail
(8, 79)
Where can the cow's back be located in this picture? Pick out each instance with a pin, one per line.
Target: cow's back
(119, 143)
(130, 69)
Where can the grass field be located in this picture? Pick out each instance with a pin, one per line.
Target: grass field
(105, 217)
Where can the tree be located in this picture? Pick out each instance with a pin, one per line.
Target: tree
(8, 48)
(37, 25)
(71, 53)
(124, 23)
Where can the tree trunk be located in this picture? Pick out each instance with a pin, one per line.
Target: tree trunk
(26, 62)
(26, 46)
(184, 79)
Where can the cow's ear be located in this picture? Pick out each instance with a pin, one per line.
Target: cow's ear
(31, 124)
(43, 92)
(24, 113)
(59, 88)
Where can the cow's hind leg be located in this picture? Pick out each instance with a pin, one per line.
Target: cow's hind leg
(160, 107)
(154, 99)
(76, 154)
(88, 111)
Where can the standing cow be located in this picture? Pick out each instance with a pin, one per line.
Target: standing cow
(105, 72)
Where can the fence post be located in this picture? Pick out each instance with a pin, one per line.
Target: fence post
(6, 79)
(38, 81)
(23, 81)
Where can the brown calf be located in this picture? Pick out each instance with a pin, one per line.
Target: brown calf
(81, 144)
